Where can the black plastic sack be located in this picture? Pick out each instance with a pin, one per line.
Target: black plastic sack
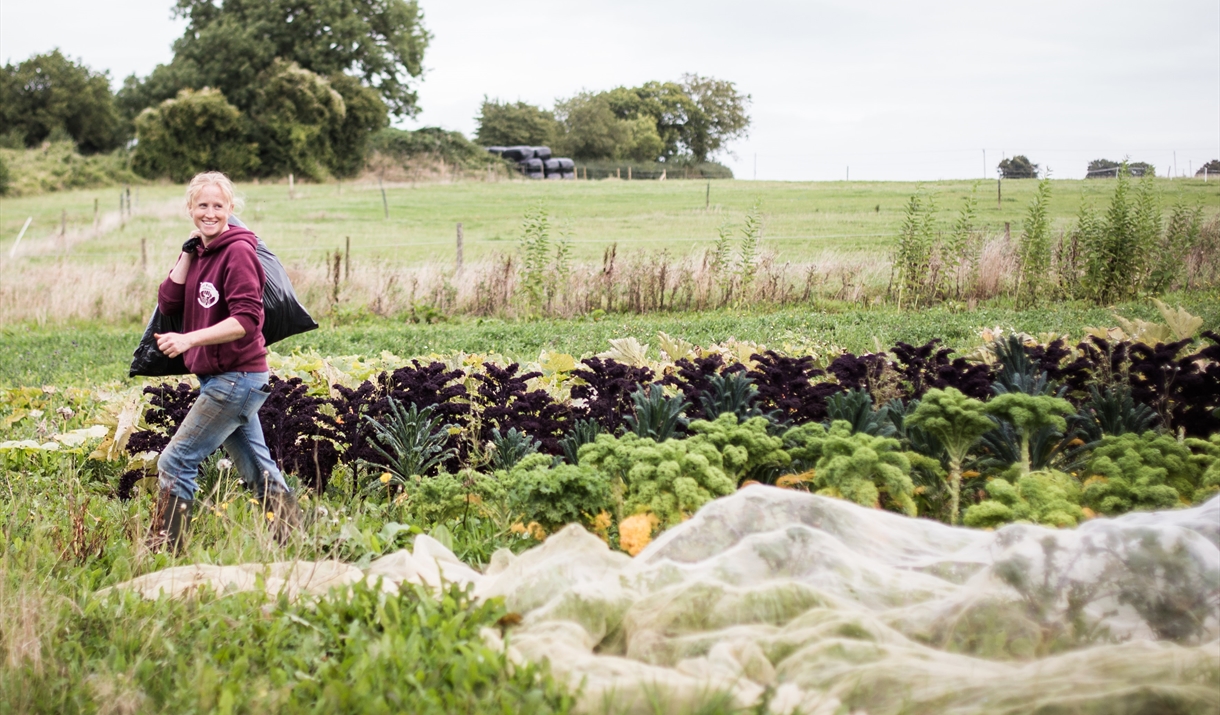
(283, 317)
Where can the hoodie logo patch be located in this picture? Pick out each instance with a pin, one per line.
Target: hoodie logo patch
(208, 295)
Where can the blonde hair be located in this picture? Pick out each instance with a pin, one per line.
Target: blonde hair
(220, 181)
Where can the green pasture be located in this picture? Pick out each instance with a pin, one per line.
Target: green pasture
(801, 219)
(81, 354)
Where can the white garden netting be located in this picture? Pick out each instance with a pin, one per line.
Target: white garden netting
(805, 604)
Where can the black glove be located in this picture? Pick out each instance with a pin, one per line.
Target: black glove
(191, 244)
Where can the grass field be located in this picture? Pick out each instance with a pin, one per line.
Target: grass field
(81, 354)
(801, 219)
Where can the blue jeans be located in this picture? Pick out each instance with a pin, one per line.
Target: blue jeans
(226, 413)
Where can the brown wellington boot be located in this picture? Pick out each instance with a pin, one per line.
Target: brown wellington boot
(171, 522)
(284, 514)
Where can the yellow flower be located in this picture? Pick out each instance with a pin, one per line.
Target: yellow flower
(253, 500)
(385, 478)
(270, 516)
(635, 532)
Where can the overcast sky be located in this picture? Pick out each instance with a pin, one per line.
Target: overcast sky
(886, 90)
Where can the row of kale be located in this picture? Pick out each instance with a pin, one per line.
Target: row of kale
(1116, 387)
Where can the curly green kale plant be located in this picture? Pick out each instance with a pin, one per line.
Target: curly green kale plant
(958, 422)
(1144, 471)
(555, 496)
(1028, 414)
(747, 451)
(671, 479)
(860, 467)
(1045, 497)
(803, 444)
(1207, 457)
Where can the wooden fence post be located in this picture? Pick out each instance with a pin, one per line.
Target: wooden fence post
(291, 186)
(385, 204)
(143, 255)
(95, 214)
(347, 258)
(459, 247)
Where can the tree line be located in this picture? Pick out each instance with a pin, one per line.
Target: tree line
(255, 88)
(271, 87)
(677, 122)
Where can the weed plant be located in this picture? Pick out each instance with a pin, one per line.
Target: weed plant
(66, 648)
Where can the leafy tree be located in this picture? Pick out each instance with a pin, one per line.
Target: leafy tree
(1102, 169)
(49, 95)
(722, 115)
(1018, 167)
(293, 116)
(1044, 497)
(666, 103)
(694, 118)
(196, 131)
(365, 114)
(508, 123)
(591, 130)
(1106, 169)
(1210, 168)
(957, 422)
(228, 45)
(1028, 414)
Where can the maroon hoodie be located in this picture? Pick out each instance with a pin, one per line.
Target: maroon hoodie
(225, 280)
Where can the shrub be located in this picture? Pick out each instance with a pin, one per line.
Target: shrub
(294, 115)
(1044, 497)
(196, 131)
(1018, 167)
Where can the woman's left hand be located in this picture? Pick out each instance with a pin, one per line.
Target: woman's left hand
(173, 344)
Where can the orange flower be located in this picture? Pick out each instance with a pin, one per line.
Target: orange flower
(635, 532)
(789, 481)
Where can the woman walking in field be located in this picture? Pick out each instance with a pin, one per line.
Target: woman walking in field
(217, 287)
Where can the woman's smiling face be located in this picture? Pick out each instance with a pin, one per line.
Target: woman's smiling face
(211, 212)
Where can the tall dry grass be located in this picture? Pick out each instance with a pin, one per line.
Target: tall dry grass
(43, 290)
